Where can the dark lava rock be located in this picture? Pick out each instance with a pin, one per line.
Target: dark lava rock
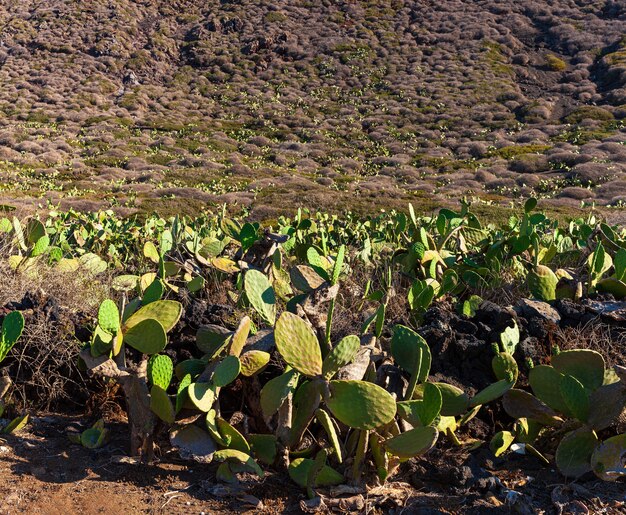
(537, 309)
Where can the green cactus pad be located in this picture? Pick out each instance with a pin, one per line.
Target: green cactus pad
(181, 393)
(153, 292)
(299, 472)
(160, 370)
(491, 392)
(454, 401)
(341, 253)
(238, 341)
(101, 342)
(521, 404)
(167, 312)
(230, 434)
(192, 367)
(264, 447)
(147, 336)
(211, 425)
(212, 339)
(509, 338)
(306, 400)
(298, 345)
(543, 380)
(240, 458)
(585, 365)
(422, 412)
(505, 367)
(12, 327)
(341, 355)
(329, 427)
(575, 396)
(40, 246)
(94, 438)
(225, 474)
(261, 295)
(500, 442)
(542, 283)
(202, 395)
(606, 404)
(305, 279)
(150, 251)
(573, 455)
(226, 371)
(193, 443)
(360, 404)
(253, 362)
(608, 460)
(612, 285)
(161, 405)
(16, 425)
(276, 390)
(412, 443)
(410, 350)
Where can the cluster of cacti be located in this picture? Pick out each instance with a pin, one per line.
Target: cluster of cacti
(320, 406)
(575, 397)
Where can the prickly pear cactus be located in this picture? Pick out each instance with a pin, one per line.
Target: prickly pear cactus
(542, 283)
(360, 404)
(261, 295)
(298, 345)
(12, 327)
(341, 354)
(109, 317)
(160, 370)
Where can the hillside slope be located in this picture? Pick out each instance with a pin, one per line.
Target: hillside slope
(169, 104)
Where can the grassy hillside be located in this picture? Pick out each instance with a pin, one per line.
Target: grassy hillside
(179, 105)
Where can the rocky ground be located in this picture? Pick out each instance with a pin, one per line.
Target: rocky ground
(40, 466)
(185, 104)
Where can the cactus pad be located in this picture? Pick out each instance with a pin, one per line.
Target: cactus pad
(298, 345)
(341, 355)
(202, 395)
(360, 404)
(264, 447)
(410, 350)
(543, 380)
(240, 458)
(491, 392)
(585, 365)
(521, 404)
(542, 283)
(238, 340)
(261, 295)
(160, 370)
(276, 390)
(147, 336)
(226, 371)
(454, 401)
(575, 397)
(161, 405)
(299, 472)
(167, 312)
(109, 317)
(12, 327)
(412, 443)
(253, 362)
(608, 460)
(573, 455)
